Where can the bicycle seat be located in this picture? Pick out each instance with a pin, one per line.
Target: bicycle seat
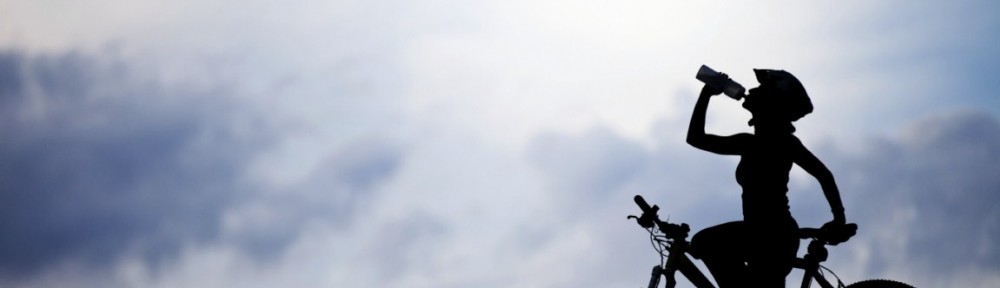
(830, 234)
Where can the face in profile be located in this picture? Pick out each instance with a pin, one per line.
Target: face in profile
(766, 106)
(757, 100)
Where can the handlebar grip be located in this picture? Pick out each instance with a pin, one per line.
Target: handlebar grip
(642, 203)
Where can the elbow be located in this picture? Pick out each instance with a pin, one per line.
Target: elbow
(826, 179)
(694, 136)
(694, 141)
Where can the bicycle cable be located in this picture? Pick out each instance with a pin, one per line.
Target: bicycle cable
(840, 284)
(658, 245)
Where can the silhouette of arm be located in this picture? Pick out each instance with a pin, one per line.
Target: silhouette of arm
(696, 136)
(812, 165)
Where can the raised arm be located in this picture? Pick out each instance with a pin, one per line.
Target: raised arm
(696, 136)
(812, 165)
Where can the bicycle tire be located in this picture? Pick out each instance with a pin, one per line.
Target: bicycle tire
(879, 283)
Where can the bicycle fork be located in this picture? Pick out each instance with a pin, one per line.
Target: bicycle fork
(678, 261)
(670, 269)
(655, 278)
(668, 273)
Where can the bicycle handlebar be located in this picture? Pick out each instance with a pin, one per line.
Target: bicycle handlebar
(828, 234)
(650, 219)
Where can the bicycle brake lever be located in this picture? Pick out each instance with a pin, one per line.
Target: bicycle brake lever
(644, 223)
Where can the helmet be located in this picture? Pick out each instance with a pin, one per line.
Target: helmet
(792, 95)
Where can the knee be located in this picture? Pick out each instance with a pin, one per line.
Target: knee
(718, 240)
(707, 243)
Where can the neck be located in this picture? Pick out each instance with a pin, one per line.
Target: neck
(774, 129)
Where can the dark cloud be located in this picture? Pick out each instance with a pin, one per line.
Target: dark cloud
(336, 193)
(95, 160)
(937, 186)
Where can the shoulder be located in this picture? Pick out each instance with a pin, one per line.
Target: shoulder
(796, 145)
(795, 140)
(743, 138)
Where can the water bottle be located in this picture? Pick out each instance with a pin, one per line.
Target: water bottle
(718, 81)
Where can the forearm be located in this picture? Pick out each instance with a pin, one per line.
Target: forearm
(696, 129)
(832, 194)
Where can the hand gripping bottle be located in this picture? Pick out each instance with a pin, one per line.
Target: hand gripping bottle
(722, 82)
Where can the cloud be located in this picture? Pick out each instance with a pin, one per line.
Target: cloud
(331, 196)
(294, 142)
(98, 162)
(103, 167)
(593, 164)
(926, 198)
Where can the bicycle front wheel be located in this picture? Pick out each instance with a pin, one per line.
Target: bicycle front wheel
(879, 283)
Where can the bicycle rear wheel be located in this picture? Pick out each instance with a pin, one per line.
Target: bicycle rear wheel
(879, 283)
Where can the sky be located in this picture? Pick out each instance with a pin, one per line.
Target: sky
(442, 143)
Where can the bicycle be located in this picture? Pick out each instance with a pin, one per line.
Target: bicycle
(670, 241)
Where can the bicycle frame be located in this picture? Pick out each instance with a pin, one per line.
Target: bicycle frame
(678, 259)
(673, 239)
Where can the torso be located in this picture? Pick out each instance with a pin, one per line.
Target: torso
(763, 174)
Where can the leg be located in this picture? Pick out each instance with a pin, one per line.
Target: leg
(773, 253)
(720, 248)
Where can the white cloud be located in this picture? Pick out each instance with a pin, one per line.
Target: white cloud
(498, 113)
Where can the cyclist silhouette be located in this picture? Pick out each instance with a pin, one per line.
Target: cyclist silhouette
(759, 251)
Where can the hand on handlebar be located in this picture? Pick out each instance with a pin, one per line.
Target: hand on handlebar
(837, 231)
(837, 221)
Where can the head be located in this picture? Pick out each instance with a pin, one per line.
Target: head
(779, 100)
